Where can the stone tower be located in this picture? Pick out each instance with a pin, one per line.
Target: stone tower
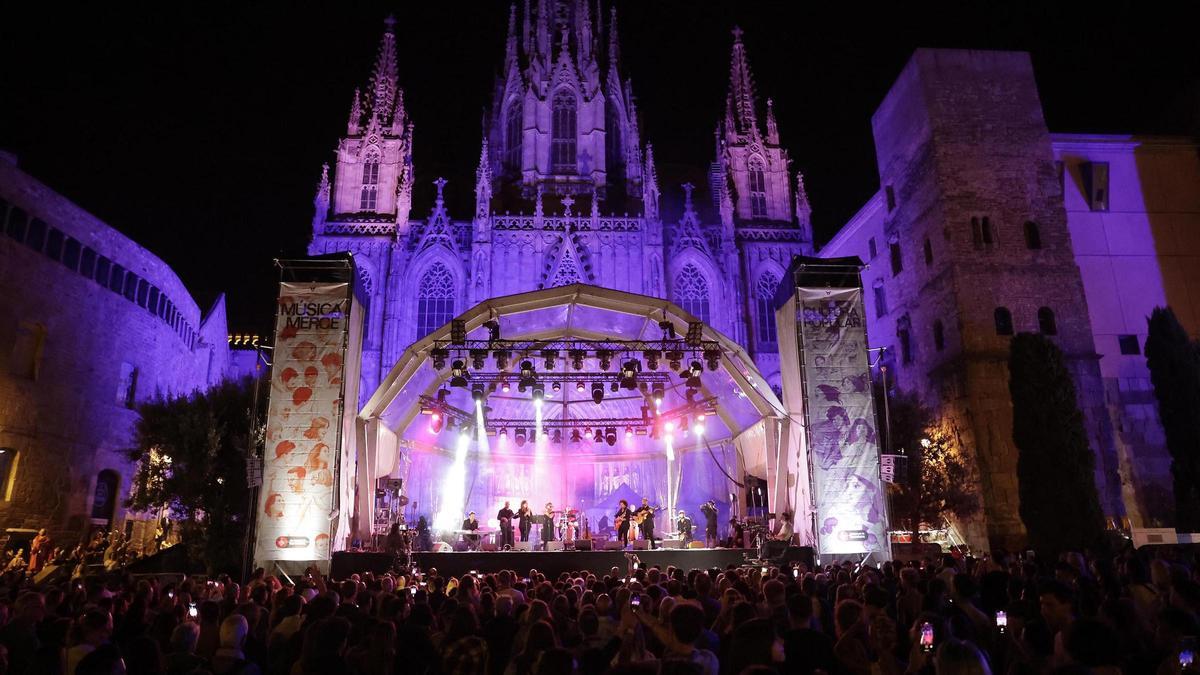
(963, 272)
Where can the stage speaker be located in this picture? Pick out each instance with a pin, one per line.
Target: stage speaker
(798, 554)
(613, 546)
(490, 547)
(554, 546)
(583, 544)
(460, 546)
(671, 543)
(640, 545)
(47, 572)
(696, 544)
(441, 547)
(521, 546)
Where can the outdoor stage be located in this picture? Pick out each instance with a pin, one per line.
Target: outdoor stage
(550, 563)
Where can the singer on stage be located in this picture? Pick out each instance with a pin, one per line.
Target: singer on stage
(710, 523)
(548, 524)
(622, 521)
(525, 519)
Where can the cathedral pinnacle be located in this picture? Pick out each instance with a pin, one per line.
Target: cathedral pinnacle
(567, 203)
(741, 89)
(510, 45)
(614, 49)
(483, 183)
(650, 192)
(772, 127)
(385, 76)
(687, 196)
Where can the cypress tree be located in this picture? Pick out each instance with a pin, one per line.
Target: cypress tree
(1174, 364)
(1055, 467)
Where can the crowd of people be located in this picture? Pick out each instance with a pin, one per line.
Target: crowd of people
(1135, 613)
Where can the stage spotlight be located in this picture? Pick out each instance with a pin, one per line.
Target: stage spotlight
(477, 394)
(556, 387)
(550, 356)
(458, 331)
(478, 356)
(442, 394)
(652, 356)
(501, 356)
(458, 374)
(519, 437)
(628, 433)
(502, 436)
(669, 427)
(698, 427)
(575, 437)
(683, 425)
(539, 394)
(439, 358)
(610, 435)
(605, 358)
(558, 435)
(599, 437)
(580, 387)
(658, 394)
(597, 392)
(695, 334)
(577, 356)
(713, 358)
(614, 387)
(505, 386)
(668, 329)
(675, 359)
(435, 423)
(493, 328)
(693, 375)
(629, 372)
(646, 412)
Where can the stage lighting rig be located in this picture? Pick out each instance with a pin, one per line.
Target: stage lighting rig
(629, 373)
(657, 394)
(539, 393)
(477, 394)
(439, 357)
(668, 330)
(519, 437)
(598, 437)
(713, 358)
(459, 374)
(493, 328)
(501, 356)
(550, 356)
(528, 375)
(692, 375)
(458, 332)
(576, 437)
(556, 387)
(577, 356)
(505, 386)
(436, 422)
(652, 356)
(580, 387)
(610, 436)
(478, 358)
(695, 333)
(557, 436)
(597, 392)
(628, 433)
(675, 359)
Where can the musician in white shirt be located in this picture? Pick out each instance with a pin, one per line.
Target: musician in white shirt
(786, 529)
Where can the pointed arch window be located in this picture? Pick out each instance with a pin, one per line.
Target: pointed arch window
(1046, 322)
(435, 299)
(512, 136)
(1003, 320)
(370, 184)
(691, 292)
(1033, 236)
(758, 189)
(764, 293)
(562, 133)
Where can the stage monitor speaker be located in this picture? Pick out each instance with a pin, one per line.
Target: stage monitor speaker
(583, 544)
(554, 546)
(441, 547)
(47, 572)
(490, 547)
(460, 546)
(613, 546)
(696, 544)
(640, 545)
(522, 546)
(671, 543)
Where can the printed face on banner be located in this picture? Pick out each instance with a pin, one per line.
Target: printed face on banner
(303, 421)
(843, 442)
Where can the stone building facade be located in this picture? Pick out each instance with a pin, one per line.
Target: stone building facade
(974, 236)
(96, 323)
(566, 191)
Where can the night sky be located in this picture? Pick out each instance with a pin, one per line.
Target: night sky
(199, 131)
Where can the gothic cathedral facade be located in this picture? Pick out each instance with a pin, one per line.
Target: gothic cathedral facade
(565, 192)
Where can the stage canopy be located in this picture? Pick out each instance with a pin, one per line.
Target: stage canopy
(744, 435)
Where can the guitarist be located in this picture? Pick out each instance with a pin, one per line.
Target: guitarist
(622, 521)
(646, 515)
(505, 517)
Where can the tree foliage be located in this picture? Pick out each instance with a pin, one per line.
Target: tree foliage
(938, 483)
(1174, 363)
(1055, 466)
(190, 453)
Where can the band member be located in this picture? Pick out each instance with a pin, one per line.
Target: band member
(471, 524)
(737, 534)
(684, 525)
(524, 519)
(786, 528)
(709, 509)
(424, 537)
(622, 522)
(647, 514)
(548, 523)
(394, 542)
(505, 516)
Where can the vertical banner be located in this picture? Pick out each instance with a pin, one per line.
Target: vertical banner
(843, 442)
(304, 423)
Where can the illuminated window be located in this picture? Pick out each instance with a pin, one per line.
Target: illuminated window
(435, 299)
(758, 189)
(8, 465)
(691, 292)
(765, 289)
(562, 143)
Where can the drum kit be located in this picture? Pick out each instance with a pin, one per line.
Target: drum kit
(570, 526)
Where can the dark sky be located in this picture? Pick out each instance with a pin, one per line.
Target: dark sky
(199, 129)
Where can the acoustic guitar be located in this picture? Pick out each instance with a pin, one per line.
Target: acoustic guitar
(639, 518)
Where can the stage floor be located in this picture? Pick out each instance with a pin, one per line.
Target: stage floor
(550, 563)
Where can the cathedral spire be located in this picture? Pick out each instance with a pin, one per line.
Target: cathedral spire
(741, 88)
(614, 44)
(510, 45)
(384, 76)
(803, 213)
(354, 123)
(321, 200)
(543, 35)
(526, 32)
(772, 127)
(650, 186)
(483, 185)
